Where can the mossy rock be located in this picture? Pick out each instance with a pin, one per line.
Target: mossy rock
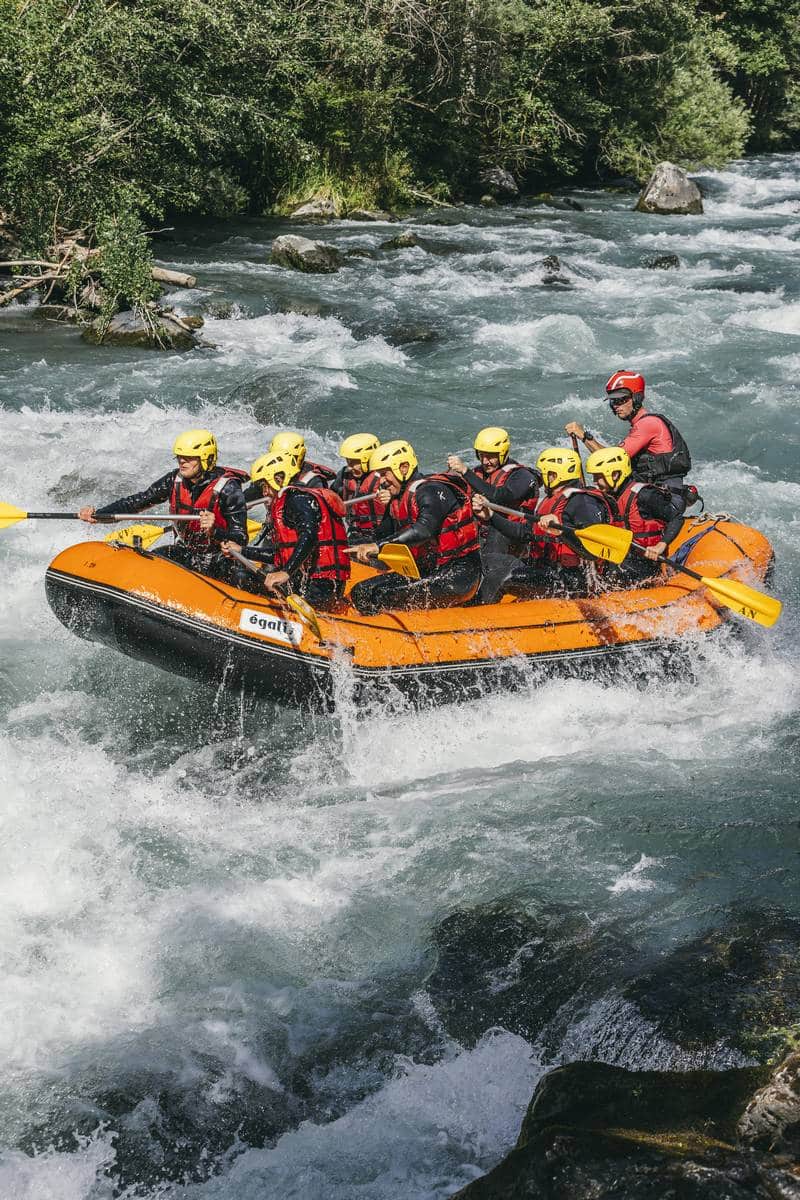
(401, 241)
(739, 984)
(130, 329)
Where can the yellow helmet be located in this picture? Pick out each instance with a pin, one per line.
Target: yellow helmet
(398, 456)
(269, 466)
(612, 462)
(289, 442)
(360, 446)
(197, 443)
(564, 464)
(493, 440)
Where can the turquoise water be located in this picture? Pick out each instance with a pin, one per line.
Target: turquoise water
(216, 920)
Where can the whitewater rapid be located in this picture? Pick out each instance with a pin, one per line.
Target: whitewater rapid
(217, 919)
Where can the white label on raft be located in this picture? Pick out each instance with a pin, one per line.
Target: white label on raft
(268, 626)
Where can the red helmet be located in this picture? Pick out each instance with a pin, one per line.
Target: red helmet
(624, 385)
(630, 381)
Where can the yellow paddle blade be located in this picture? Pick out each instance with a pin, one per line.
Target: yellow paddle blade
(400, 560)
(125, 537)
(745, 600)
(9, 515)
(253, 528)
(605, 541)
(304, 611)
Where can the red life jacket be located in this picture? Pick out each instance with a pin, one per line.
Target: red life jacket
(365, 516)
(181, 501)
(329, 560)
(646, 530)
(458, 536)
(555, 550)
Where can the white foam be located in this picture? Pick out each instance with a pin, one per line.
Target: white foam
(465, 1112)
(785, 319)
(719, 239)
(557, 343)
(82, 1174)
(635, 879)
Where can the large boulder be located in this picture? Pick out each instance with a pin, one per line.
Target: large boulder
(316, 211)
(597, 1132)
(669, 190)
(301, 254)
(499, 183)
(158, 332)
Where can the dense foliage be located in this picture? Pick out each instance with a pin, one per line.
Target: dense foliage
(112, 107)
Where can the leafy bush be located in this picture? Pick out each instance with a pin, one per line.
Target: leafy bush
(110, 109)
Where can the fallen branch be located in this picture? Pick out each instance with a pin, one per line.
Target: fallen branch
(428, 199)
(36, 281)
(28, 262)
(176, 278)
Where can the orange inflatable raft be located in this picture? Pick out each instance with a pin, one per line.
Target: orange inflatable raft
(156, 611)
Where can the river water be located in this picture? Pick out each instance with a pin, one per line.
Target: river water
(217, 922)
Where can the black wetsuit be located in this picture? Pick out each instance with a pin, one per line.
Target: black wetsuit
(523, 483)
(531, 578)
(455, 583)
(301, 512)
(209, 561)
(657, 504)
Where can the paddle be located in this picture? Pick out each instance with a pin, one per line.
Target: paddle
(573, 438)
(397, 558)
(602, 541)
(9, 515)
(149, 535)
(742, 599)
(125, 537)
(297, 604)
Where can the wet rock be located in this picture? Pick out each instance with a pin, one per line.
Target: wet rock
(669, 190)
(304, 306)
(406, 335)
(499, 183)
(360, 252)
(551, 264)
(401, 241)
(516, 964)
(771, 1120)
(219, 310)
(564, 203)
(316, 211)
(488, 202)
(662, 262)
(370, 214)
(596, 1132)
(301, 254)
(130, 329)
(739, 984)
